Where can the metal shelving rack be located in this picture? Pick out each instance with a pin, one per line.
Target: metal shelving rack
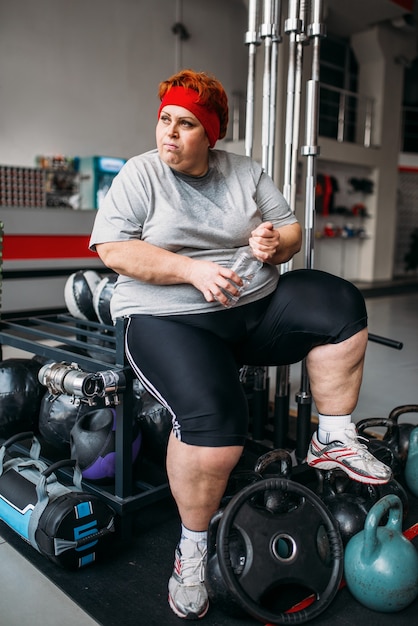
(62, 338)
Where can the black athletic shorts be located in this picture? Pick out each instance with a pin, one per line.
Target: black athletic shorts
(191, 363)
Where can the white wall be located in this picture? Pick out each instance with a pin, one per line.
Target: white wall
(80, 77)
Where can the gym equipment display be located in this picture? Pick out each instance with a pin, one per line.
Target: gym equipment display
(96, 176)
(63, 523)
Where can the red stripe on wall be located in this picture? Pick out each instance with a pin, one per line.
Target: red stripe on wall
(408, 5)
(408, 168)
(17, 247)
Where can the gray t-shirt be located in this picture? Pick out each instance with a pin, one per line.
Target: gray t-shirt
(204, 218)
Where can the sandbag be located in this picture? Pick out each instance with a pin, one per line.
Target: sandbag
(70, 527)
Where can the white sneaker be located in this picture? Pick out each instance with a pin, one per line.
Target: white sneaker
(349, 455)
(187, 595)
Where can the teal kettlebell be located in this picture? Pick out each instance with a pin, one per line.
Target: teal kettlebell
(380, 564)
(411, 467)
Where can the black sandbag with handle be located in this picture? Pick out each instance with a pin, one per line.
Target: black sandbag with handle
(64, 523)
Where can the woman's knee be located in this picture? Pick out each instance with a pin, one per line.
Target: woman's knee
(318, 298)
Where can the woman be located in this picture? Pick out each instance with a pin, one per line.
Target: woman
(170, 225)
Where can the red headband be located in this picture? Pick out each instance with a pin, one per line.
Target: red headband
(189, 99)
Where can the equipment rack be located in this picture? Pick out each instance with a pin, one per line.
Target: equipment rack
(94, 347)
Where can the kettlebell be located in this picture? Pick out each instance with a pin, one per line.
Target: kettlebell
(411, 467)
(386, 449)
(218, 592)
(380, 564)
(349, 509)
(395, 488)
(276, 462)
(403, 429)
(373, 493)
(239, 479)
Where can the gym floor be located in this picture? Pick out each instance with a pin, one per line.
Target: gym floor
(29, 596)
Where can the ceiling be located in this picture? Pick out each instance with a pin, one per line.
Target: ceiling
(346, 17)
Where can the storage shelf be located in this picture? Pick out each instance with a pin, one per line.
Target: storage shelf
(62, 338)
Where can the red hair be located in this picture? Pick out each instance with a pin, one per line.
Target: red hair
(211, 93)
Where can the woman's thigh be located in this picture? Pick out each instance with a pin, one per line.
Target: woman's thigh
(194, 374)
(309, 308)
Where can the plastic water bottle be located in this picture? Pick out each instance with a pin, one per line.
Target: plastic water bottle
(246, 266)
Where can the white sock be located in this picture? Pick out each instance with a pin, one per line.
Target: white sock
(332, 427)
(194, 535)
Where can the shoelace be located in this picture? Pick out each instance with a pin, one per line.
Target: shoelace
(191, 568)
(360, 448)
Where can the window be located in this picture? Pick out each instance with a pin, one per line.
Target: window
(338, 78)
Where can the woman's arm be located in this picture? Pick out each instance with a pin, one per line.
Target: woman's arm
(275, 245)
(148, 263)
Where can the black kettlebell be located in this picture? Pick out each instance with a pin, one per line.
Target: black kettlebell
(217, 590)
(239, 479)
(349, 509)
(273, 463)
(373, 493)
(403, 429)
(277, 461)
(393, 487)
(385, 449)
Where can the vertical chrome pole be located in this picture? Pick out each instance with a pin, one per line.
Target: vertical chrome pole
(275, 41)
(315, 31)
(252, 40)
(269, 34)
(292, 26)
(281, 413)
(267, 31)
(301, 41)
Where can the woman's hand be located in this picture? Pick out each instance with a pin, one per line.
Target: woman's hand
(214, 281)
(275, 245)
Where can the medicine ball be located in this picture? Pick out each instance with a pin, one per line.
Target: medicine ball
(57, 416)
(20, 395)
(101, 299)
(156, 425)
(78, 294)
(92, 442)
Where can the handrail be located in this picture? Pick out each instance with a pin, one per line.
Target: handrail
(348, 116)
